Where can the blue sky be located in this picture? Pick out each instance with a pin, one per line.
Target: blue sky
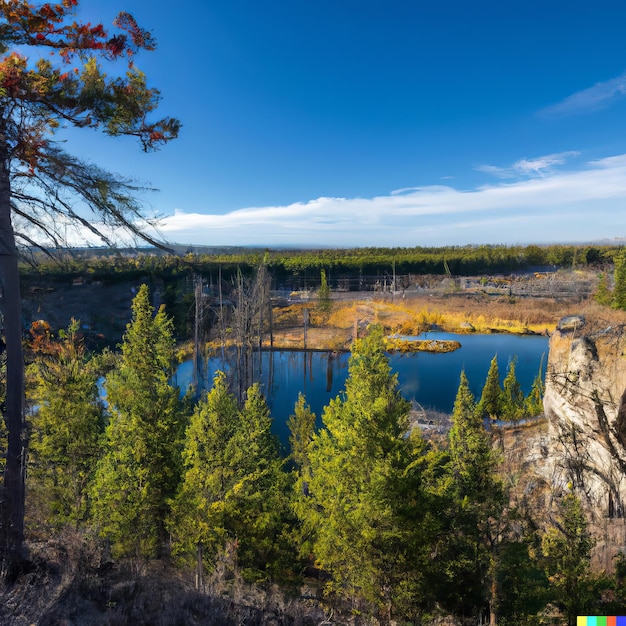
(403, 123)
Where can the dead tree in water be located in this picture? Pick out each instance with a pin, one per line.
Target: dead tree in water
(250, 299)
(199, 375)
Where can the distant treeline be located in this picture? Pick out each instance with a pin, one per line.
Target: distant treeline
(173, 277)
(301, 268)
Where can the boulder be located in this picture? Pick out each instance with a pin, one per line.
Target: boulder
(570, 323)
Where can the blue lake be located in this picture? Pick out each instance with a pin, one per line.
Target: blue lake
(431, 379)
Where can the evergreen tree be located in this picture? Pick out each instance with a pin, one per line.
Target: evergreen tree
(301, 426)
(533, 404)
(257, 506)
(566, 549)
(66, 429)
(476, 498)
(619, 290)
(363, 505)
(140, 467)
(512, 395)
(233, 495)
(469, 443)
(490, 404)
(301, 430)
(197, 517)
(41, 185)
(603, 296)
(323, 295)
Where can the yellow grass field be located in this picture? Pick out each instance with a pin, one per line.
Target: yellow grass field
(457, 313)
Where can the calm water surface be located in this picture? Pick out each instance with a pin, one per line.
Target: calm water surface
(430, 379)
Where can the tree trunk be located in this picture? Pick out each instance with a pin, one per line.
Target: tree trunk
(12, 505)
(270, 314)
(199, 568)
(198, 338)
(222, 330)
(494, 591)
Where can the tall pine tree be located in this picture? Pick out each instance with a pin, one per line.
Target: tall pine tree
(603, 295)
(66, 429)
(323, 295)
(490, 404)
(533, 404)
(258, 503)
(41, 185)
(362, 504)
(197, 520)
(232, 500)
(140, 468)
(619, 290)
(476, 498)
(566, 551)
(301, 430)
(512, 395)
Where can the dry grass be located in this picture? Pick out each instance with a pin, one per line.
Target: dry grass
(68, 583)
(410, 316)
(461, 312)
(488, 313)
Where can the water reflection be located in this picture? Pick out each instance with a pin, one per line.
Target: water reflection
(428, 378)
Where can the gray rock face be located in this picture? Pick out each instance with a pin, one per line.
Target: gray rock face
(585, 403)
(571, 322)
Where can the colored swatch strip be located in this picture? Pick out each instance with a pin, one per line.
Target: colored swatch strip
(599, 620)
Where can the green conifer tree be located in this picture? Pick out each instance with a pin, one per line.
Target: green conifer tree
(512, 395)
(476, 498)
(301, 430)
(66, 430)
(301, 426)
(603, 295)
(257, 506)
(566, 549)
(323, 295)
(472, 460)
(619, 290)
(197, 517)
(490, 404)
(533, 403)
(364, 487)
(233, 496)
(140, 468)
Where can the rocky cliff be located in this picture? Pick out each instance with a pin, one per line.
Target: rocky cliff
(585, 404)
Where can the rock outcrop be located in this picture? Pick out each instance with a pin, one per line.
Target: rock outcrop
(585, 403)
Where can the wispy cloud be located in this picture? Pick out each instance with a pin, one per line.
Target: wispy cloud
(539, 166)
(547, 205)
(555, 205)
(598, 97)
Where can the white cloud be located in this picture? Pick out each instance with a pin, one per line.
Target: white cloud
(528, 167)
(544, 205)
(595, 98)
(574, 205)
